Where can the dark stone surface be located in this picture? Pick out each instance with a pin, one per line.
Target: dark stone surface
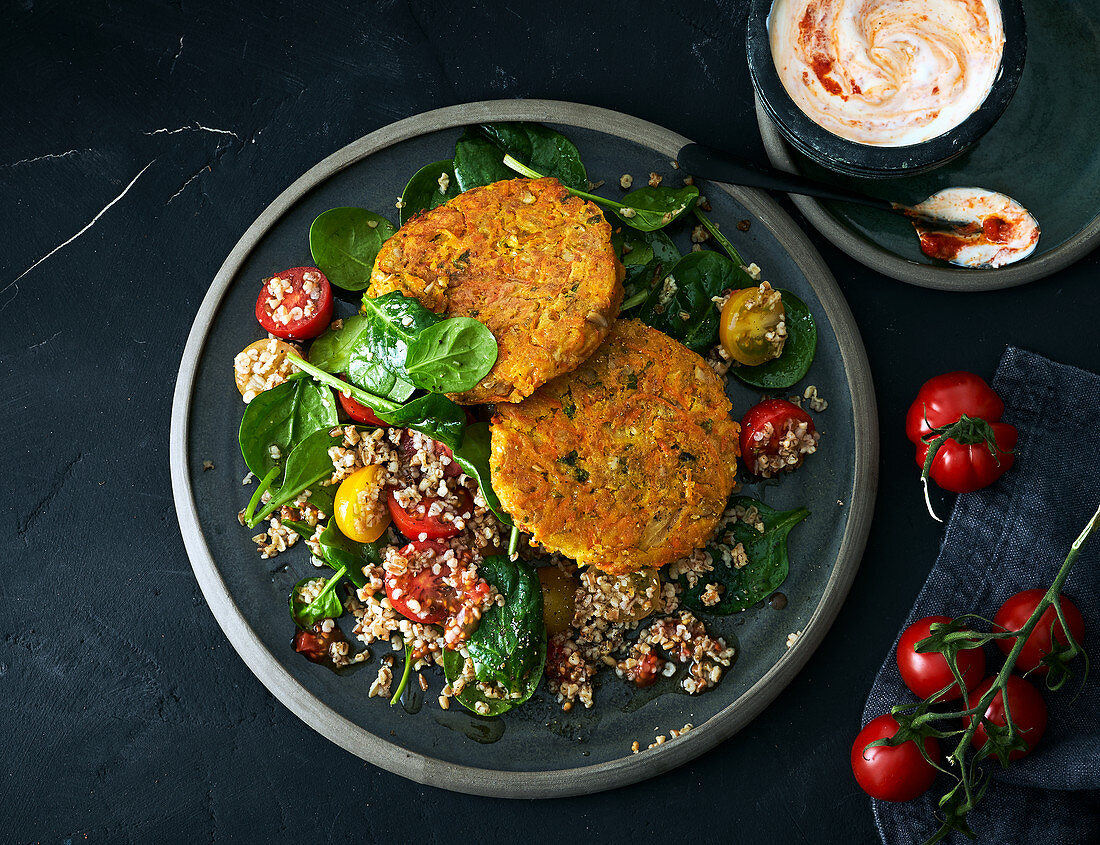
(140, 141)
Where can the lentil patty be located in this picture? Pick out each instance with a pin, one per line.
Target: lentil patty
(532, 262)
(625, 463)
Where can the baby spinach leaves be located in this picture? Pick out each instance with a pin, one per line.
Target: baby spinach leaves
(308, 464)
(325, 606)
(377, 361)
(344, 243)
(509, 645)
(472, 455)
(451, 356)
(431, 186)
(646, 257)
(767, 566)
(339, 551)
(540, 148)
(478, 161)
(648, 209)
(332, 350)
(282, 417)
(681, 304)
(798, 352)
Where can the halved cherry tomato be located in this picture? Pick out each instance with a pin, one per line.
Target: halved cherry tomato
(1018, 609)
(750, 325)
(314, 644)
(418, 593)
(1028, 710)
(417, 520)
(358, 411)
(763, 435)
(927, 674)
(269, 350)
(897, 773)
(409, 447)
(295, 304)
(358, 509)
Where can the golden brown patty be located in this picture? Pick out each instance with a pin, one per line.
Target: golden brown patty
(626, 462)
(532, 262)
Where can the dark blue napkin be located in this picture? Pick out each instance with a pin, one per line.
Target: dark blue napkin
(1009, 537)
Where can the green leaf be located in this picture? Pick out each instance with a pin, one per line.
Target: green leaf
(434, 415)
(377, 362)
(688, 289)
(472, 455)
(341, 552)
(798, 352)
(308, 464)
(767, 553)
(326, 606)
(344, 243)
(651, 255)
(451, 356)
(542, 149)
(424, 192)
(282, 417)
(648, 209)
(478, 161)
(509, 645)
(332, 350)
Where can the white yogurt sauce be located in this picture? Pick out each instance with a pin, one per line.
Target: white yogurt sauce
(887, 72)
(1001, 231)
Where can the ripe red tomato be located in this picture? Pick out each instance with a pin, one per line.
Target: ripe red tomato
(762, 430)
(1029, 712)
(417, 520)
(358, 411)
(418, 593)
(1018, 609)
(412, 442)
(963, 407)
(892, 774)
(926, 674)
(295, 304)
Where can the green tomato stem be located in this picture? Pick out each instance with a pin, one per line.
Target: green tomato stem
(718, 236)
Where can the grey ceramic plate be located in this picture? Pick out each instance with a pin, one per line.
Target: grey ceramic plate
(1042, 152)
(541, 751)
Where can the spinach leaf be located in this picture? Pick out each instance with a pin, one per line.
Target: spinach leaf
(332, 350)
(434, 415)
(540, 148)
(326, 606)
(424, 190)
(651, 255)
(681, 304)
(344, 243)
(472, 455)
(342, 552)
(377, 362)
(282, 417)
(767, 553)
(478, 161)
(307, 464)
(300, 528)
(648, 208)
(798, 352)
(509, 645)
(451, 356)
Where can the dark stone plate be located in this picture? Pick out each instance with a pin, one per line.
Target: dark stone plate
(1042, 152)
(541, 751)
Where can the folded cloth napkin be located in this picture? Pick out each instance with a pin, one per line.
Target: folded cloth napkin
(1010, 537)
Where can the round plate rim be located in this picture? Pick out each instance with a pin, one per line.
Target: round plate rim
(922, 275)
(561, 782)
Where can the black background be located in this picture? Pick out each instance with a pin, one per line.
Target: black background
(124, 712)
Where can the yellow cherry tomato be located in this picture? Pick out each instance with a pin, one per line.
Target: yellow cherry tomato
(262, 357)
(647, 593)
(360, 508)
(559, 598)
(753, 325)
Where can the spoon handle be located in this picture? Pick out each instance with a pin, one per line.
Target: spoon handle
(717, 166)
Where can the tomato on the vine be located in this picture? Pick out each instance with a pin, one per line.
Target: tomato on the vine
(1018, 609)
(1026, 706)
(425, 519)
(898, 773)
(295, 304)
(956, 419)
(776, 436)
(927, 674)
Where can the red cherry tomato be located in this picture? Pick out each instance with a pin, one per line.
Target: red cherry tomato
(314, 643)
(1018, 609)
(416, 520)
(358, 411)
(927, 674)
(411, 443)
(965, 409)
(892, 774)
(763, 430)
(1029, 712)
(418, 593)
(295, 304)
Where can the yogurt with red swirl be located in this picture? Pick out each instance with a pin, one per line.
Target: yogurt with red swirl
(887, 72)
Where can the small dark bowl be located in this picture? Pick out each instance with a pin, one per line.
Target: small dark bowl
(844, 156)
